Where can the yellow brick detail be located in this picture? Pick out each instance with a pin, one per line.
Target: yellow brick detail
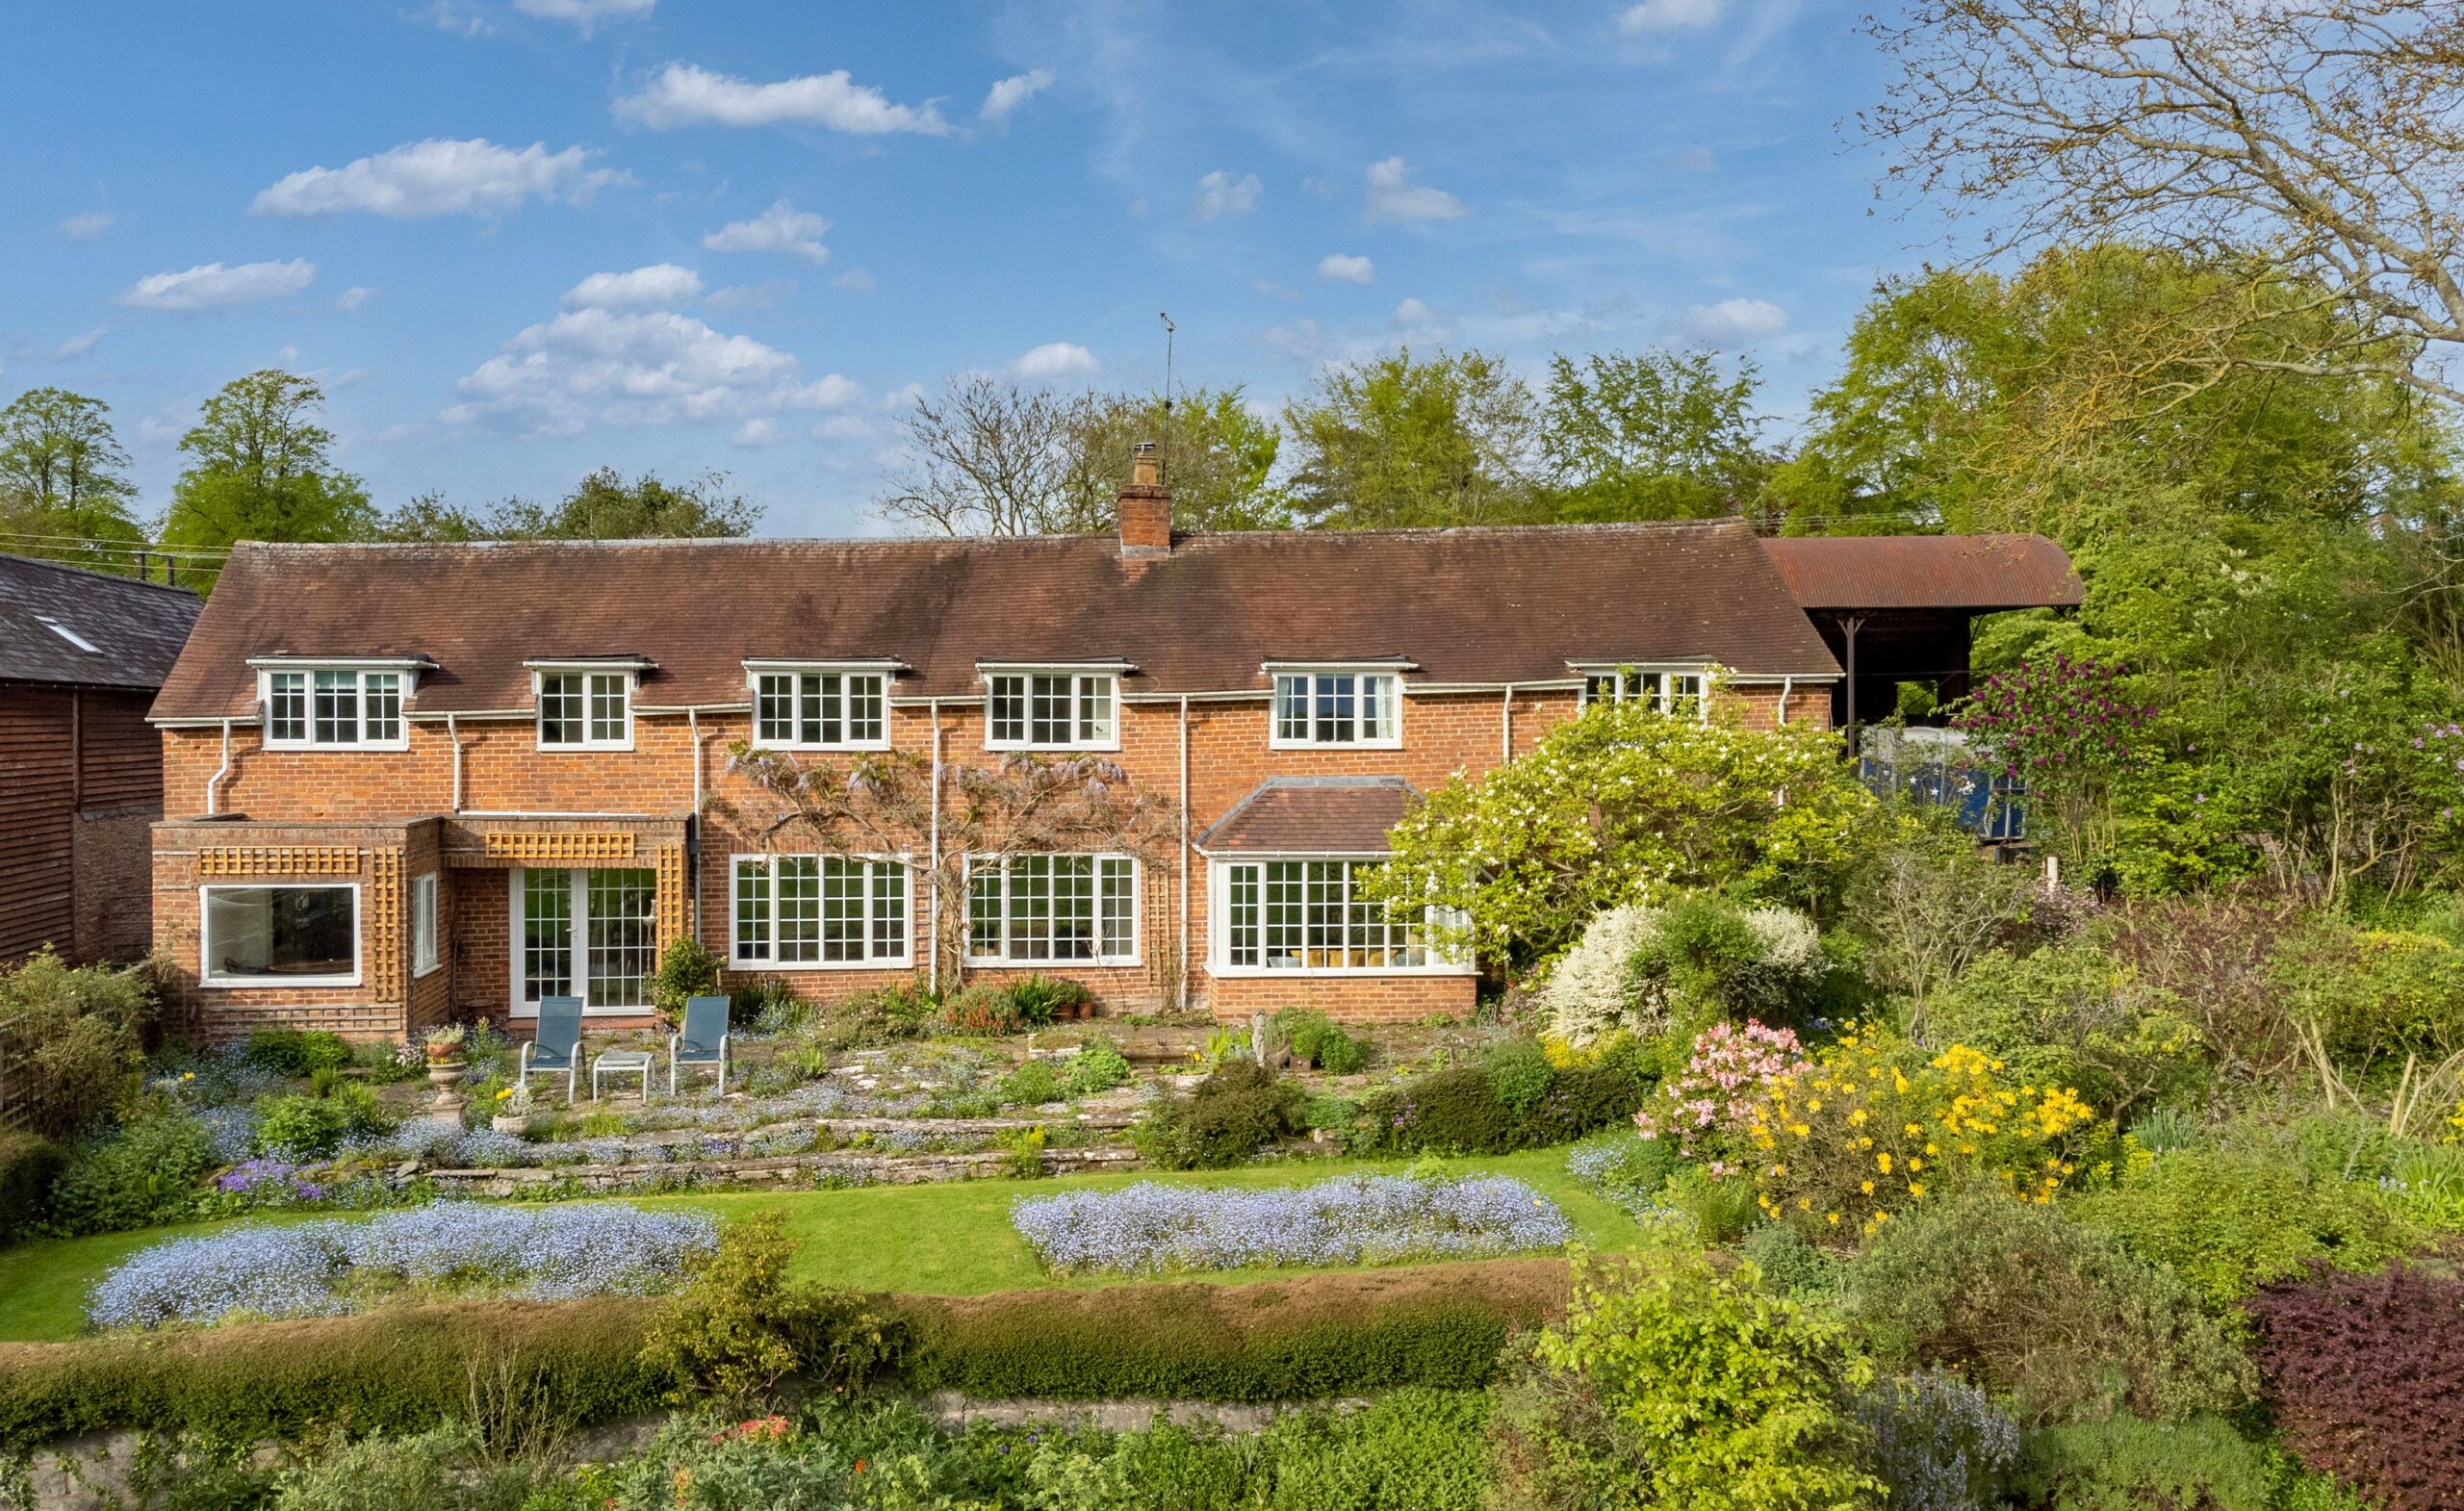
(562, 848)
(278, 860)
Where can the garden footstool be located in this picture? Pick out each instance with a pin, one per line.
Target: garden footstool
(623, 1062)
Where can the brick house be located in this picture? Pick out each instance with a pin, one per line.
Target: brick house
(414, 782)
(81, 771)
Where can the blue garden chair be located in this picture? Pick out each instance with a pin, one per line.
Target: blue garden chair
(704, 1040)
(556, 1045)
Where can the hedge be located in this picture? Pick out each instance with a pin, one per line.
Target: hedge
(408, 1368)
(28, 1166)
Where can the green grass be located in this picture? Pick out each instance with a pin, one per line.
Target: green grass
(945, 1238)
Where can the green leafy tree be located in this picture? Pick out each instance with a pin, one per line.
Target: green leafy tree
(1394, 441)
(259, 468)
(1651, 436)
(1626, 805)
(64, 479)
(602, 506)
(1217, 455)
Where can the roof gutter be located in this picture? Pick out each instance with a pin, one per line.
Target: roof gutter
(214, 783)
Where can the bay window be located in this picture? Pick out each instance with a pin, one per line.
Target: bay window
(796, 912)
(820, 709)
(1050, 710)
(1311, 916)
(1337, 708)
(1036, 909)
(285, 936)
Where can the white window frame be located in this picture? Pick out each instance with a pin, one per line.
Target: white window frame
(1391, 701)
(425, 957)
(1056, 965)
(737, 960)
(589, 676)
(796, 672)
(577, 941)
(1667, 693)
(1083, 681)
(403, 677)
(205, 974)
(1220, 928)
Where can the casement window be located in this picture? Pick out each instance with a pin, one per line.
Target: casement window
(1337, 708)
(424, 951)
(589, 934)
(1051, 711)
(1036, 908)
(820, 710)
(809, 911)
(1670, 692)
(1309, 917)
(585, 710)
(333, 709)
(279, 935)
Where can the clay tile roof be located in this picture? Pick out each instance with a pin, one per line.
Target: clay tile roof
(1980, 573)
(1312, 815)
(135, 629)
(1478, 606)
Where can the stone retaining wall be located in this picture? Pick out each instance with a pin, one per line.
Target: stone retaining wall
(853, 1166)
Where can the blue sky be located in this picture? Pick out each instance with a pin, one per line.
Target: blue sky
(517, 239)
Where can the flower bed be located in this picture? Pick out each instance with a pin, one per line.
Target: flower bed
(329, 1267)
(1361, 1220)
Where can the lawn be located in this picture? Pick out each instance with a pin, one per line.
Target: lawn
(947, 1238)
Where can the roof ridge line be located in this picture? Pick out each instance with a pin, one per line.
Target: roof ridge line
(92, 572)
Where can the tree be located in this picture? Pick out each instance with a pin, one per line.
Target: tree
(260, 470)
(986, 456)
(1215, 451)
(1391, 441)
(2318, 142)
(1652, 436)
(63, 476)
(1626, 805)
(601, 506)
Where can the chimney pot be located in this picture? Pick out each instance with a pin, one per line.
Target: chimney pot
(1142, 464)
(1145, 506)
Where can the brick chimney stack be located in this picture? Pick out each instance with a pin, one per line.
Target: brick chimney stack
(1145, 506)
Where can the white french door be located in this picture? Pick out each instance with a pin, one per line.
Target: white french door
(591, 933)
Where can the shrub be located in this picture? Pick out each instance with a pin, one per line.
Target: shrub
(1519, 1075)
(309, 1127)
(1625, 1167)
(2074, 1017)
(1792, 1265)
(1031, 1085)
(737, 1328)
(2376, 995)
(1726, 1390)
(1315, 1040)
(1707, 1106)
(1457, 1111)
(1556, 1445)
(412, 1474)
(297, 1053)
(1592, 993)
(1639, 969)
(1097, 1066)
(885, 1014)
(2124, 1464)
(981, 1009)
(2361, 1371)
(1037, 999)
(80, 1032)
(1938, 1442)
(2065, 1321)
(687, 968)
(144, 1174)
(29, 1164)
(1871, 1127)
(1230, 1115)
(2229, 1220)
(768, 1005)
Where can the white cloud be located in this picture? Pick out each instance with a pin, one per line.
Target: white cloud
(1301, 340)
(602, 367)
(758, 431)
(1007, 95)
(781, 228)
(1669, 15)
(439, 177)
(682, 95)
(1056, 360)
(1732, 319)
(211, 285)
(77, 346)
(1392, 198)
(657, 286)
(1219, 193)
(858, 280)
(445, 17)
(1343, 268)
(587, 14)
(749, 295)
(89, 225)
(355, 298)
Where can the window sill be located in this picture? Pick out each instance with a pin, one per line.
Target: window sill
(272, 983)
(1395, 744)
(1056, 967)
(903, 962)
(356, 746)
(1052, 750)
(843, 749)
(1333, 972)
(423, 972)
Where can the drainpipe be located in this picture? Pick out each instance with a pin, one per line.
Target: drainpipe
(1184, 853)
(1852, 624)
(216, 781)
(932, 869)
(693, 834)
(1788, 685)
(453, 735)
(1505, 726)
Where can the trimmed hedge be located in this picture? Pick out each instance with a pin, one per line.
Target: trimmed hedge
(1460, 1112)
(28, 1165)
(409, 1369)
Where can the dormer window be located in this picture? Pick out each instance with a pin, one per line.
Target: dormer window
(1338, 706)
(1670, 691)
(585, 706)
(338, 705)
(820, 708)
(1057, 708)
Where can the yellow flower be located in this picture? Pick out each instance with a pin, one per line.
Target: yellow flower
(1882, 1161)
(1917, 1188)
(1914, 1163)
(1834, 1219)
(1867, 1186)
(502, 1094)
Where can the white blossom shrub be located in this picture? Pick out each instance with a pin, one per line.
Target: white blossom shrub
(1593, 992)
(1635, 967)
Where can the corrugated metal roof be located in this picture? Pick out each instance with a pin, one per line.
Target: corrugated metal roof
(1952, 571)
(62, 623)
